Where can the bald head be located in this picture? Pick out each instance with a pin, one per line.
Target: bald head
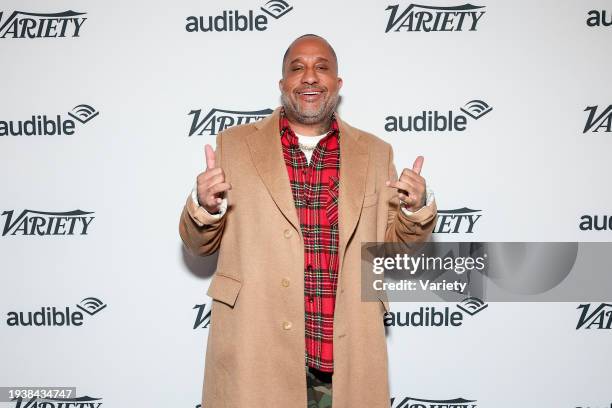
(310, 38)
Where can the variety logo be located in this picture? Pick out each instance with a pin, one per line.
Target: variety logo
(591, 317)
(596, 222)
(43, 223)
(41, 125)
(597, 18)
(218, 120)
(234, 20)
(416, 17)
(457, 221)
(435, 317)
(596, 122)
(52, 316)
(410, 402)
(21, 24)
(202, 320)
(78, 402)
(436, 121)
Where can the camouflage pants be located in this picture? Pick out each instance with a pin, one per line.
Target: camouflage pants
(319, 393)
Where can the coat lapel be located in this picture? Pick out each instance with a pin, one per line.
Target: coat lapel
(266, 150)
(267, 153)
(353, 170)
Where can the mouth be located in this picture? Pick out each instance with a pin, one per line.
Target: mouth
(310, 95)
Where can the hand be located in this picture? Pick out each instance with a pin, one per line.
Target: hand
(211, 183)
(411, 186)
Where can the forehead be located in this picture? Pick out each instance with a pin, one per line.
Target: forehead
(310, 48)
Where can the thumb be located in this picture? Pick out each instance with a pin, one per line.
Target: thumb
(209, 157)
(418, 164)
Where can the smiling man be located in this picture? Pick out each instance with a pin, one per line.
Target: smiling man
(287, 201)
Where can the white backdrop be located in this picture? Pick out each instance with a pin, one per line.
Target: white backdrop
(527, 166)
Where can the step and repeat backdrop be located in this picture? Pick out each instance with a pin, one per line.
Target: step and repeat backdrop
(105, 111)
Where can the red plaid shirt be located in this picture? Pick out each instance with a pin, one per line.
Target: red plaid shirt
(315, 193)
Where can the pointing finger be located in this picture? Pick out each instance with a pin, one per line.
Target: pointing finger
(210, 157)
(418, 164)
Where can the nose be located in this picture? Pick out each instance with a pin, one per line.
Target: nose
(310, 76)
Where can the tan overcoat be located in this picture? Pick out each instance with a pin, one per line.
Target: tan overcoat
(255, 349)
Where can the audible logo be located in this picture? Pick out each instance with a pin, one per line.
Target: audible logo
(42, 125)
(52, 316)
(235, 20)
(437, 121)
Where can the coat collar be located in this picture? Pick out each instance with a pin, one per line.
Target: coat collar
(267, 154)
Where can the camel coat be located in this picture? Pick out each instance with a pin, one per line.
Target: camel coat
(255, 350)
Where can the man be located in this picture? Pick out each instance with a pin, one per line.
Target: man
(287, 201)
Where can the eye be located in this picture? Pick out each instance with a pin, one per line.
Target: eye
(322, 67)
(296, 68)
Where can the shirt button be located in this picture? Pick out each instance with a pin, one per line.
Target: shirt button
(309, 268)
(287, 325)
(285, 282)
(310, 299)
(287, 233)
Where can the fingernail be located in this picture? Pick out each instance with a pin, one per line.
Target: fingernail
(387, 182)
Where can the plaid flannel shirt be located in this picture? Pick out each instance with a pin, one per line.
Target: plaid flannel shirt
(315, 193)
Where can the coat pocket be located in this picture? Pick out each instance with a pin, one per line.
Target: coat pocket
(224, 289)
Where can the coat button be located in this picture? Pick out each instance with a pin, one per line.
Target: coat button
(287, 325)
(285, 282)
(287, 233)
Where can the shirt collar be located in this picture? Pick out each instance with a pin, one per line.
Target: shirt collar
(288, 134)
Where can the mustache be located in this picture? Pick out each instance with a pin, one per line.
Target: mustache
(311, 89)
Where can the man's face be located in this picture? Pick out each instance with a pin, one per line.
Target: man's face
(310, 84)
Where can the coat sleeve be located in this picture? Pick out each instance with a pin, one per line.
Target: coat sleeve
(201, 232)
(406, 228)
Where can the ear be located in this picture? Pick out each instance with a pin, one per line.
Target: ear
(339, 83)
(280, 85)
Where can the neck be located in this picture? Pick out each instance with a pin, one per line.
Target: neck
(314, 129)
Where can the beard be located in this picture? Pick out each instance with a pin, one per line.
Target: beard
(309, 116)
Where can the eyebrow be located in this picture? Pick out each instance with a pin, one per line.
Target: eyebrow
(318, 59)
